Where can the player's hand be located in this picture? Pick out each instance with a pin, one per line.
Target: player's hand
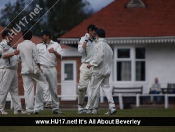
(51, 50)
(16, 52)
(87, 36)
(39, 66)
(41, 70)
(14, 46)
(88, 66)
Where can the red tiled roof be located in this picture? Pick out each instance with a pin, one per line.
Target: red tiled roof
(156, 19)
(18, 39)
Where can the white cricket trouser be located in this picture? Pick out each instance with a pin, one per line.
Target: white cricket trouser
(28, 83)
(51, 76)
(9, 83)
(85, 77)
(102, 81)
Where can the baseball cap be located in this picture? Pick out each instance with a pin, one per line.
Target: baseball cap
(6, 32)
(101, 33)
(92, 26)
(44, 32)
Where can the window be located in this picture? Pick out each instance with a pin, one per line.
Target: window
(140, 64)
(124, 71)
(130, 64)
(123, 53)
(68, 70)
(140, 53)
(140, 71)
(123, 65)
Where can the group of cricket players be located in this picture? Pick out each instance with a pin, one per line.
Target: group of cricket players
(38, 64)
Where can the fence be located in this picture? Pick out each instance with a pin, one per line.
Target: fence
(120, 97)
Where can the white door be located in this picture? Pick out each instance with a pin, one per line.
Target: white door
(68, 80)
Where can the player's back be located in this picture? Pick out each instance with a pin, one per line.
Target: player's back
(26, 47)
(29, 56)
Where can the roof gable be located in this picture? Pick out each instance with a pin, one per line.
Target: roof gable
(135, 3)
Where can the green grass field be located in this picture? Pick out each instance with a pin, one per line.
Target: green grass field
(73, 113)
(120, 113)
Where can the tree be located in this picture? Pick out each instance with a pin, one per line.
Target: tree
(59, 16)
(66, 14)
(20, 16)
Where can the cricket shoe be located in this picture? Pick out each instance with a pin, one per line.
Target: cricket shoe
(89, 111)
(81, 110)
(94, 111)
(48, 105)
(20, 112)
(29, 113)
(3, 112)
(57, 111)
(111, 111)
(36, 111)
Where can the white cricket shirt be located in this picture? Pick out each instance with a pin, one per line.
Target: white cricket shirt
(88, 53)
(102, 60)
(29, 57)
(12, 62)
(46, 58)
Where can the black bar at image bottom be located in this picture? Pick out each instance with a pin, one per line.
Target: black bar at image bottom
(87, 121)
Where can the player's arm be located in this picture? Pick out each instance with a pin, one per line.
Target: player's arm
(80, 47)
(1, 50)
(58, 52)
(36, 56)
(55, 52)
(83, 43)
(5, 56)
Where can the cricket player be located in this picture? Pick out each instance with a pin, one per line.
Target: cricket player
(49, 53)
(101, 64)
(8, 74)
(86, 48)
(31, 72)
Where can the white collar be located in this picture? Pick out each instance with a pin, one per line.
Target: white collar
(27, 40)
(101, 39)
(51, 42)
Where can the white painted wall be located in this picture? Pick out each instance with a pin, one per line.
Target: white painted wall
(160, 62)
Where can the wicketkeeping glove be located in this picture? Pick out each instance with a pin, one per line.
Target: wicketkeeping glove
(87, 36)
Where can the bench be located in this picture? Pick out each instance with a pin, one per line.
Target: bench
(121, 92)
(168, 90)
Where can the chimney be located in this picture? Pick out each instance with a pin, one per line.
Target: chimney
(135, 4)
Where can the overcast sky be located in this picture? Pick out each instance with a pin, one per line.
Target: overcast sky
(96, 4)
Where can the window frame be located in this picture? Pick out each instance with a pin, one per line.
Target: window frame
(133, 61)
